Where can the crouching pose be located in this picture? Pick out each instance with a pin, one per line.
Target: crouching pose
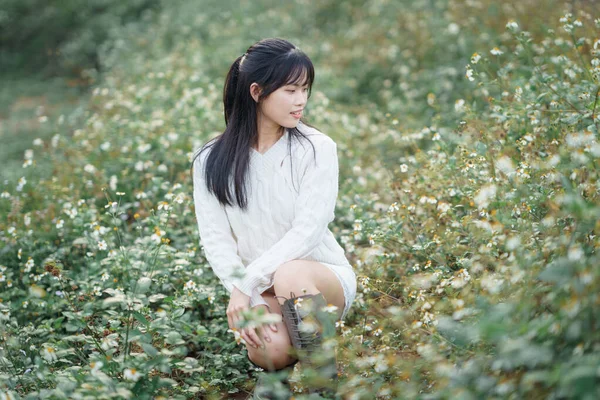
(264, 192)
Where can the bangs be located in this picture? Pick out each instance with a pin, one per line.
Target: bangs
(301, 75)
(296, 69)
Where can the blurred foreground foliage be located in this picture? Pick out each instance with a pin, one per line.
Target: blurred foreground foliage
(468, 144)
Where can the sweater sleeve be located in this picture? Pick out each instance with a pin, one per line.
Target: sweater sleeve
(314, 210)
(216, 238)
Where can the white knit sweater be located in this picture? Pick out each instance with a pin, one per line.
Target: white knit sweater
(284, 220)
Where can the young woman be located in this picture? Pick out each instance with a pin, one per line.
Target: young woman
(264, 192)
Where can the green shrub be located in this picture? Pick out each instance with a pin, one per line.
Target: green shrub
(60, 37)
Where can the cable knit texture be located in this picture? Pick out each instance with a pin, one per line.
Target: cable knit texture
(284, 221)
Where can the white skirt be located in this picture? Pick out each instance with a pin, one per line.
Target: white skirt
(347, 278)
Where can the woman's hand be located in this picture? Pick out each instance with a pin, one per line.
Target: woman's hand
(238, 303)
(264, 331)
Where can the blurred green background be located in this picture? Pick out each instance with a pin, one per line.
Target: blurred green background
(468, 206)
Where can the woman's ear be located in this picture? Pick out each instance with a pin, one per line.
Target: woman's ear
(255, 91)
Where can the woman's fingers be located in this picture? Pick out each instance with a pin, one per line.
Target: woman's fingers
(262, 331)
(237, 318)
(230, 321)
(251, 333)
(252, 336)
(249, 339)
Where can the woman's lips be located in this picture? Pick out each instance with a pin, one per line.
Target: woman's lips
(297, 115)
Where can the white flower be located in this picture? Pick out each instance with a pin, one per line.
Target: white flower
(49, 353)
(162, 168)
(109, 341)
(71, 212)
(180, 198)
(469, 74)
(102, 245)
(329, 308)
(513, 243)
(60, 223)
(484, 195)
(393, 207)
(453, 28)
(512, 25)
(518, 93)
(112, 183)
(505, 165)
(459, 105)
(443, 206)
(496, 51)
(22, 182)
(491, 283)
(131, 374)
(95, 367)
(575, 253)
(89, 168)
(29, 264)
(144, 147)
(381, 366)
(403, 168)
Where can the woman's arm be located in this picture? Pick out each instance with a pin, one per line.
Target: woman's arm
(314, 210)
(220, 247)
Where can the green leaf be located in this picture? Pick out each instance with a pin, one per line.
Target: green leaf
(178, 313)
(481, 148)
(58, 322)
(140, 317)
(559, 271)
(149, 349)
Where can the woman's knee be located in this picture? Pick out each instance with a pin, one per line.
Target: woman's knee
(276, 353)
(293, 275)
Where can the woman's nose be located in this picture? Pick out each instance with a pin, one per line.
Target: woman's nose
(302, 99)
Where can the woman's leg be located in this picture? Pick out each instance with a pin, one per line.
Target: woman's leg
(294, 276)
(314, 277)
(275, 355)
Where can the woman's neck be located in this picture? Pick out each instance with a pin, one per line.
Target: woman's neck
(268, 137)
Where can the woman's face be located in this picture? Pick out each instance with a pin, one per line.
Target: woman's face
(279, 107)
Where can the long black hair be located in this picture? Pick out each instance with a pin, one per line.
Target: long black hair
(271, 63)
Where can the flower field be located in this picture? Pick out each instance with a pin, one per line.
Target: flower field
(468, 144)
